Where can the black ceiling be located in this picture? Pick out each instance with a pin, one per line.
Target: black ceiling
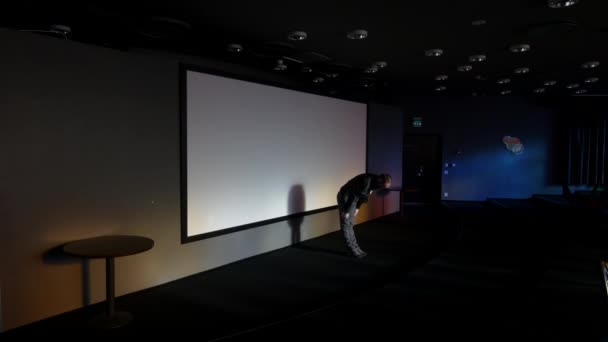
(399, 33)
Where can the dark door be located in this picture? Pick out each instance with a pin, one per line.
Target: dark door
(422, 169)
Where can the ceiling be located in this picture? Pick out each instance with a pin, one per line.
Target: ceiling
(399, 33)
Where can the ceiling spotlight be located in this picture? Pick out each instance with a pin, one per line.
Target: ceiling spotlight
(561, 3)
(306, 69)
(441, 88)
(580, 91)
(540, 90)
(550, 83)
(591, 80)
(504, 81)
(371, 70)
(464, 68)
(61, 29)
(441, 78)
(280, 65)
(479, 22)
(297, 35)
(590, 65)
(318, 80)
(519, 48)
(380, 65)
(357, 34)
(505, 92)
(477, 58)
(521, 71)
(433, 53)
(331, 75)
(234, 48)
(573, 85)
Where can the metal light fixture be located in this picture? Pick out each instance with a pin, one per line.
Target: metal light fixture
(477, 58)
(519, 48)
(433, 52)
(297, 35)
(357, 34)
(561, 3)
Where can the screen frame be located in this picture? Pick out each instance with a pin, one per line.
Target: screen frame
(183, 150)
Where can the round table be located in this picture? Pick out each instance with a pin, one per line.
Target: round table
(109, 247)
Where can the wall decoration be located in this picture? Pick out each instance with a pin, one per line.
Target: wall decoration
(513, 144)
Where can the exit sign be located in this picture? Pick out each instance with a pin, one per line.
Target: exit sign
(417, 121)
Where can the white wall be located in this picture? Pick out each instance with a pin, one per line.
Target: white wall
(90, 146)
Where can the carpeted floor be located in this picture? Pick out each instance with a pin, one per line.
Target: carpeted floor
(498, 270)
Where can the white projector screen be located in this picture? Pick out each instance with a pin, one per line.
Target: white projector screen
(255, 154)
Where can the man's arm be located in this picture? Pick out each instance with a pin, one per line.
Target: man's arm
(364, 191)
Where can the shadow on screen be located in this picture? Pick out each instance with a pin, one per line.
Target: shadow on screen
(296, 203)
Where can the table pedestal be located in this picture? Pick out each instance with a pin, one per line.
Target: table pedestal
(111, 318)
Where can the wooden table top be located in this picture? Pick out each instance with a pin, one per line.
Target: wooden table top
(109, 246)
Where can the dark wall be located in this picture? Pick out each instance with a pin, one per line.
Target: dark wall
(385, 150)
(473, 128)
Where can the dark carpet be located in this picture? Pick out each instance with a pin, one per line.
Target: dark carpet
(492, 271)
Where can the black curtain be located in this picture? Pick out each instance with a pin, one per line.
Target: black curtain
(587, 164)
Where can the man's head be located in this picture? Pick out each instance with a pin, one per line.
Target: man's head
(383, 181)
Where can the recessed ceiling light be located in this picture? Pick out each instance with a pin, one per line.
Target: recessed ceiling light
(521, 71)
(318, 80)
(441, 88)
(561, 3)
(441, 78)
(550, 83)
(504, 81)
(480, 78)
(306, 69)
(357, 34)
(505, 92)
(234, 48)
(590, 65)
(591, 80)
(518, 48)
(464, 68)
(380, 65)
(280, 65)
(297, 35)
(433, 53)
(580, 91)
(540, 90)
(573, 85)
(478, 22)
(371, 70)
(477, 58)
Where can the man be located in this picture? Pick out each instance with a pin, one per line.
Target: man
(350, 198)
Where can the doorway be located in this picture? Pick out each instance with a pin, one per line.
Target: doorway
(422, 159)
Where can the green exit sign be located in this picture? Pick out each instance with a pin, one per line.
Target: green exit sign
(417, 121)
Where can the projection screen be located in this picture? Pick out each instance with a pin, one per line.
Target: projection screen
(253, 154)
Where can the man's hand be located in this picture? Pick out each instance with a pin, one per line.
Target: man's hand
(346, 216)
(356, 212)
